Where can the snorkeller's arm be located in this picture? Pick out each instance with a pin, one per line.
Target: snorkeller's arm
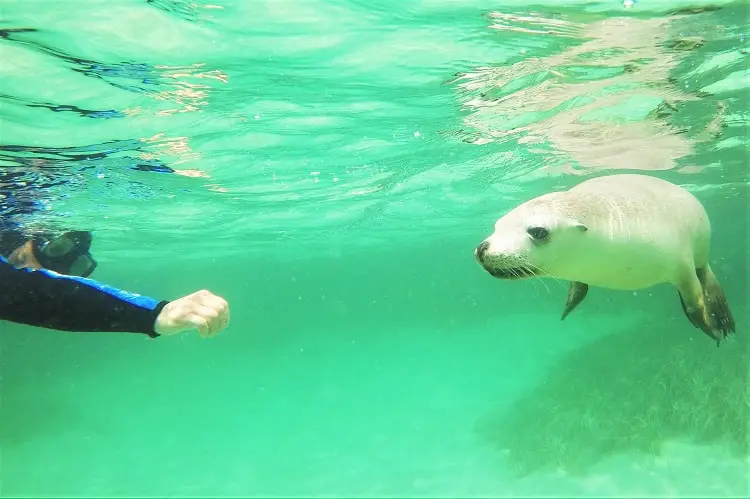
(54, 301)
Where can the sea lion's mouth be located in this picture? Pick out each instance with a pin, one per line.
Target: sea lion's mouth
(512, 273)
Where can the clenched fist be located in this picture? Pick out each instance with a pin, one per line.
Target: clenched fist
(202, 310)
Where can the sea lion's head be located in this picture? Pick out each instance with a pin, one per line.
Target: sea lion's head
(537, 238)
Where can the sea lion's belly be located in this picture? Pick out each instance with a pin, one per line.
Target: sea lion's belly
(629, 266)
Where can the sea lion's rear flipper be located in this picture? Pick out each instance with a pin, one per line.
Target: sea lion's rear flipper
(704, 312)
(716, 302)
(576, 294)
(691, 318)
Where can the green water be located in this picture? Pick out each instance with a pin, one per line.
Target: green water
(340, 161)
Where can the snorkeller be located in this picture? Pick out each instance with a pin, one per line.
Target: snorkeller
(44, 282)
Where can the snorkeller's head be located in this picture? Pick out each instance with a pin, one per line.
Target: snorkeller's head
(65, 254)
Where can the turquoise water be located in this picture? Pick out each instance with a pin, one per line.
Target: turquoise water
(334, 164)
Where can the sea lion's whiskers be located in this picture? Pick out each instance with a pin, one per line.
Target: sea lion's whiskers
(554, 279)
(534, 281)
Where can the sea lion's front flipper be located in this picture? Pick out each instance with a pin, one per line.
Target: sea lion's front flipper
(576, 294)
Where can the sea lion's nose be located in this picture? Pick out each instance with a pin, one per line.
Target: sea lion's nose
(480, 250)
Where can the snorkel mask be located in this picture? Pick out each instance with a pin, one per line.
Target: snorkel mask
(66, 254)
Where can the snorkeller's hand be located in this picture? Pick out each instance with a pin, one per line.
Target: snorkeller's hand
(202, 310)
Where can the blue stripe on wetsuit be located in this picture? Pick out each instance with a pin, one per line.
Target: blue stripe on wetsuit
(126, 296)
(47, 299)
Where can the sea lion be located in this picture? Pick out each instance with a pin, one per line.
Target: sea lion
(625, 231)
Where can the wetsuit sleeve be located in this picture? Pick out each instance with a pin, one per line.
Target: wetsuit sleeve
(54, 301)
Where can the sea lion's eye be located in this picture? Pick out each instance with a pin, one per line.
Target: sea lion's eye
(538, 233)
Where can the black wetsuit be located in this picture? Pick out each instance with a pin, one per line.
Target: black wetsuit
(54, 301)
